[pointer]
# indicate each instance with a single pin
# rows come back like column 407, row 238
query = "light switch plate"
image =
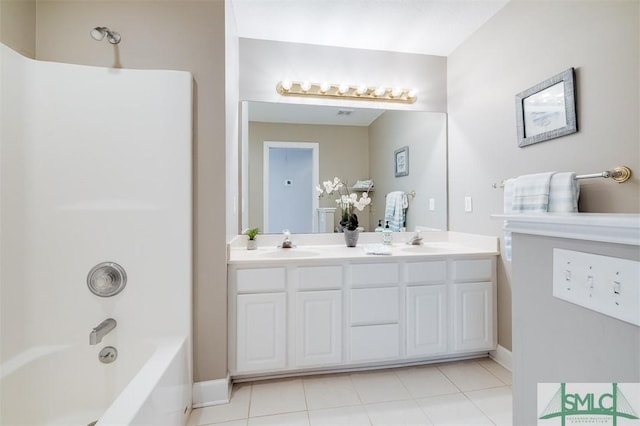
column 468, row 204
column 604, row 284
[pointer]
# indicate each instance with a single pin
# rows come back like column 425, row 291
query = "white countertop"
column 332, row 247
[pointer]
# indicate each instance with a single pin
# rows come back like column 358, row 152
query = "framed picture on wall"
column 401, row 157
column 547, row 110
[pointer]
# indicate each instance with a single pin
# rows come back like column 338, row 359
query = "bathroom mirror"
column 351, row 144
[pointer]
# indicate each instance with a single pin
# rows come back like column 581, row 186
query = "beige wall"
column 425, row 134
column 18, row 26
column 182, row 35
column 344, row 152
column 264, row 63
column 524, row 44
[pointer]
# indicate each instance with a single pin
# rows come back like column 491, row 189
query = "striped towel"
column 509, row 186
column 531, row 193
column 564, row 191
column 542, row 192
column 395, row 210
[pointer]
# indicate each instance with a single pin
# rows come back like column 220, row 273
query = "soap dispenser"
column 379, row 228
column 387, row 235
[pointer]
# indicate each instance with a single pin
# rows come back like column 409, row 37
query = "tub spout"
column 101, row 330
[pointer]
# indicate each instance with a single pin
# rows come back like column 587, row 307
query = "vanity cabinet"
column 323, row 316
column 426, row 320
column 261, row 312
column 318, row 328
column 317, row 315
column 261, row 332
column 474, row 312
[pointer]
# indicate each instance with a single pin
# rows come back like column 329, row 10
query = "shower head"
column 98, row 33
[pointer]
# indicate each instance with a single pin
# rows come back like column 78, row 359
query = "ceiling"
column 429, row 27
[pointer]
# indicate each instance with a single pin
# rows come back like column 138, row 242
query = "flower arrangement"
column 346, row 200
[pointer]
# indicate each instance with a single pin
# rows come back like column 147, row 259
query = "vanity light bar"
column 345, row 91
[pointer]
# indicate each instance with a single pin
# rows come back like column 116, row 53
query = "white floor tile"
column 277, row 397
column 497, row 370
column 236, row 409
column 300, row 418
column 330, row 391
column 379, row 386
column 495, row 403
column 343, row 416
column 242, row 422
column 397, row 413
column 469, row 375
column 425, row 381
column 449, row 410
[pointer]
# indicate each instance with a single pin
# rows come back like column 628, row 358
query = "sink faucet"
column 416, row 240
column 287, row 240
column 101, row 330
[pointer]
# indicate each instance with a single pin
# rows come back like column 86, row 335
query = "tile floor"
column 469, row 393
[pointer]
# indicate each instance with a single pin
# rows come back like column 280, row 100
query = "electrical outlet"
column 432, row 204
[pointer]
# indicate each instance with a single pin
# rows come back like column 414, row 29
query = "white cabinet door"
column 473, row 316
column 426, row 320
column 261, row 332
column 318, row 328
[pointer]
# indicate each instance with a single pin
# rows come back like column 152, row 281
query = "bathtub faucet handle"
column 101, row 330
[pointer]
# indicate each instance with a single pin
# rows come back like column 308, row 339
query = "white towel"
column 376, row 249
column 394, row 211
column 531, row 193
column 564, row 191
column 541, row 192
column 509, row 186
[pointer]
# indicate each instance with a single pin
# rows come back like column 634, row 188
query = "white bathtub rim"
column 28, row 356
column 128, row 403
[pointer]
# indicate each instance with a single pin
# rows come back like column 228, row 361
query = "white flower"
column 363, row 202
column 344, row 199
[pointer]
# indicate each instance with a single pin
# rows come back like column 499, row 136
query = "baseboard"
column 503, row 357
column 211, row 392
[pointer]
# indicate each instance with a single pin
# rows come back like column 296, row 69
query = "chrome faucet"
column 101, row 330
column 416, row 240
column 287, row 240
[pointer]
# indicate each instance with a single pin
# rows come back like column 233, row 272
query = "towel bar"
column 619, row 174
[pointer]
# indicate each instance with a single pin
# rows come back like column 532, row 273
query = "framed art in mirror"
column 547, row 110
column 401, row 159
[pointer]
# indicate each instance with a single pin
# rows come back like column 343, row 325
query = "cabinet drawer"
column 260, row 279
column 319, row 277
column 473, row 270
column 374, row 305
column 375, row 342
column 426, row 272
column 374, row 273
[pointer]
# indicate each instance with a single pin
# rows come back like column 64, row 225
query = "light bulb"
column 324, row 87
column 380, row 91
column 362, row 89
column 411, row 94
column 305, row 86
column 396, row 92
column 343, row 89
column 286, row 85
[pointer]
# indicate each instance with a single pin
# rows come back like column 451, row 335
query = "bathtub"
column 148, row 384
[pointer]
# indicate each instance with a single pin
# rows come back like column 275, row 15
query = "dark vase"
column 351, row 237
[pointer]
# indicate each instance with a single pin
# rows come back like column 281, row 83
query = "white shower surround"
column 95, row 166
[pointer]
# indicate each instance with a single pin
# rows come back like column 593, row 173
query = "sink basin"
column 424, row 249
column 288, row 253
